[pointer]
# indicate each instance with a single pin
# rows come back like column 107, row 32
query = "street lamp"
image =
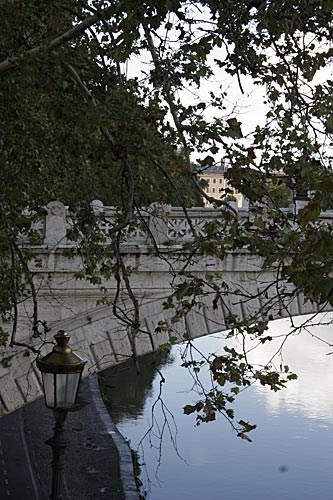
column 61, row 373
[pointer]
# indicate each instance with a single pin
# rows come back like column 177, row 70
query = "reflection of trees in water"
column 125, row 391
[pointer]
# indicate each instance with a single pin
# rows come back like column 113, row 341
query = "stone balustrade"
column 157, row 224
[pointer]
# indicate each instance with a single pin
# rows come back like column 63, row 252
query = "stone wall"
column 68, row 303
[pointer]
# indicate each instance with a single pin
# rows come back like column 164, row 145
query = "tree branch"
column 105, row 131
column 12, row 62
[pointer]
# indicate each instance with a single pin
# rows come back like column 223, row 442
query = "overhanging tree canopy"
column 70, row 113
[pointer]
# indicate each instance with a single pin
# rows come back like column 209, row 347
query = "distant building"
column 216, row 183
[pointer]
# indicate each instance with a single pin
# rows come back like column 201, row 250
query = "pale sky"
column 249, row 108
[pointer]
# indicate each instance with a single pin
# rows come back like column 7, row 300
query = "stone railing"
column 157, row 224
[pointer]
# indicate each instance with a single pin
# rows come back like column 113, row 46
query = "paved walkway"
column 98, row 460
column 16, row 475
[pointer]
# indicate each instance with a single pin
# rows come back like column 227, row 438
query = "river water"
column 290, row 456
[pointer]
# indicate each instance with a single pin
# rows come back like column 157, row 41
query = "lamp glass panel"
column 66, row 389
column 49, row 381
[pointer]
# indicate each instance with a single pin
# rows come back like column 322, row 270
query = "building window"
column 214, row 181
column 213, row 190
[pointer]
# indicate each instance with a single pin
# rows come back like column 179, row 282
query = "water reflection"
column 127, row 391
column 308, row 356
column 292, row 447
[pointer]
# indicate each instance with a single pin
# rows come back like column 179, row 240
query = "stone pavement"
column 98, row 460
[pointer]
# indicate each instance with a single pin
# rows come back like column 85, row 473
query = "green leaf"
column 234, row 130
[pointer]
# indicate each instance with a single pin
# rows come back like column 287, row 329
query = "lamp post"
column 61, row 373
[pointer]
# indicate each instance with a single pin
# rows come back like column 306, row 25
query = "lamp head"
column 61, row 372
